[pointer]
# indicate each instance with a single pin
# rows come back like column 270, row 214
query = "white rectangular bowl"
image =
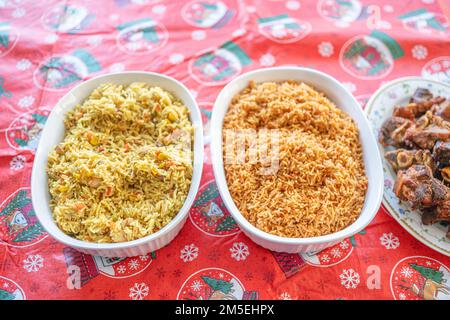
column 53, row 134
column 344, row 100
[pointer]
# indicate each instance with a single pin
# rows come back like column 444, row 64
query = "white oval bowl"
column 344, row 100
column 53, row 133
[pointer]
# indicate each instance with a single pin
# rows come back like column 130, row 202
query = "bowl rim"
column 218, row 168
column 198, row 153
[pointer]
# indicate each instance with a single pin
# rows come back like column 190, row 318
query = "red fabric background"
column 36, row 268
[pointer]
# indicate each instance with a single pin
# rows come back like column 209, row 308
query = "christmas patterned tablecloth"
column 47, row 47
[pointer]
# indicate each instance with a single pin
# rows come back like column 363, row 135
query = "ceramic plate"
column 378, row 109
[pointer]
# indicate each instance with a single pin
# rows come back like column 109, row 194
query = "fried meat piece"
column 418, row 187
column 402, row 159
column 393, row 131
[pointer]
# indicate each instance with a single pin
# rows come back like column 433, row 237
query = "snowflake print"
column 198, row 35
column 176, row 58
column 143, row 257
column 326, row 49
column 139, row 291
column 239, row 251
column 402, row 296
column 17, row 163
column 196, row 285
column 389, row 241
column 33, row 263
column 19, row 13
column 51, row 38
column 344, row 245
column 419, row 52
column 25, row 102
column 121, row 269
column 336, row 252
column 350, row 86
column 117, row 67
column 159, row 9
column 133, row 264
column 267, row 60
column 293, row 5
column 285, row 296
column 349, row 278
column 325, row 258
column 23, row 64
column 406, row 272
column 189, row 253
column 95, row 40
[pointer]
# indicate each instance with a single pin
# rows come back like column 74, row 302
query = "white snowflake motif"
column 326, row 49
column 389, row 241
column 159, row 9
column 143, row 257
column 406, row 272
column 176, row 58
column 51, row 38
column 19, row 13
column 325, row 258
column 117, row 67
column 349, row 278
column 189, row 253
column 336, row 252
column 121, row 269
column 23, row 64
column 239, row 251
column 33, row 263
column 402, row 296
column 293, row 5
column 238, row 32
column 344, row 245
column 419, row 52
column 267, row 60
column 26, row 102
column 95, row 40
column 133, row 264
column 198, row 35
column 139, row 291
column 17, row 163
column 196, row 285
column 350, row 86
column 285, row 296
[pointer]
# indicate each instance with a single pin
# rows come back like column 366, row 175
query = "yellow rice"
column 120, row 173
column 320, row 185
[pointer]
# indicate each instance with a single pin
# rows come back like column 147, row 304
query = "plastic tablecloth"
column 47, row 47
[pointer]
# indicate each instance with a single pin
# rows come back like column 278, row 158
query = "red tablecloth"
column 46, row 47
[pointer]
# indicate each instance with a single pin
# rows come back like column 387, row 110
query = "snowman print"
column 425, row 22
column 283, row 29
column 207, row 14
column 340, row 12
column 25, row 131
column 141, row 36
column 370, row 56
column 214, row 284
column 218, row 66
column 8, row 37
column 61, row 71
column 437, row 69
column 9, row 290
column 19, row 226
column 67, row 18
column 209, row 214
column 420, row 278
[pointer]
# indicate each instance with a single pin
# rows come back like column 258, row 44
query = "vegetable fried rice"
column 124, row 168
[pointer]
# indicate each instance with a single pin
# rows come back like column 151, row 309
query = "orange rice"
column 320, row 185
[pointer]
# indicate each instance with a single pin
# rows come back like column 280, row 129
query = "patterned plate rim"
column 386, row 204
